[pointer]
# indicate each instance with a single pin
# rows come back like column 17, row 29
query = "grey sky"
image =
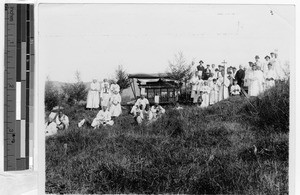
column 96, row 38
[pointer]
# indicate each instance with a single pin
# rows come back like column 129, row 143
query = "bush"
column 75, row 92
column 51, row 96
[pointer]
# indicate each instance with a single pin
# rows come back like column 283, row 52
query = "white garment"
column 50, row 129
column 235, row 89
column 205, row 96
column 93, row 98
column 114, row 87
column 115, row 105
column 105, row 94
column 270, row 76
column 142, row 102
column 102, row 118
column 194, row 81
column 256, row 80
column 62, row 122
column 223, row 84
column 157, row 111
column 214, row 94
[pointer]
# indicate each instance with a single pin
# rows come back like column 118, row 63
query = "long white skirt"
column 105, row 99
column 93, row 99
column 115, row 110
column 214, row 97
column 223, row 93
column 254, row 88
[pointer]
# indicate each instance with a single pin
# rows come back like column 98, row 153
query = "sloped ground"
column 237, row 146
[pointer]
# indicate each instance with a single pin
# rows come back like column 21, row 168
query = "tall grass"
column 223, row 149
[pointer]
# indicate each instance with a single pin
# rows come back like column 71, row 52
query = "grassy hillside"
column 237, row 146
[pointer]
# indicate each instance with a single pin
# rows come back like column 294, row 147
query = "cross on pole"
column 224, row 88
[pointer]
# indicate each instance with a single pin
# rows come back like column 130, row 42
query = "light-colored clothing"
column 93, row 98
column 102, row 118
column 157, row 111
column 105, row 94
column 194, row 81
column 50, row 128
column 115, row 105
column 142, row 102
column 256, row 80
column 62, row 122
column 223, row 84
column 205, row 96
column 114, row 87
column 235, row 89
column 214, row 94
column 270, row 76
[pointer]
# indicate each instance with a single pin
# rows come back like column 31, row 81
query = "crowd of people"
column 211, row 84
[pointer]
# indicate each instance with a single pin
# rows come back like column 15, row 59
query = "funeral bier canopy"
column 149, row 76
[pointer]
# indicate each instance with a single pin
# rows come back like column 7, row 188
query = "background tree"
column 122, row 78
column 51, row 95
column 75, row 92
column 180, row 70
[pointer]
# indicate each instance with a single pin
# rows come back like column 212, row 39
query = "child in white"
column 205, row 94
column 214, row 93
column 157, row 111
column 62, row 121
column 103, row 118
column 105, row 93
column 115, row 104
column 235, row 89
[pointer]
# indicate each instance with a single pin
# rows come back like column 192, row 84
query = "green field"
column 237, row 146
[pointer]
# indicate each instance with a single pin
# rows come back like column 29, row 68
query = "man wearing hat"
column 206, row 72
column 200, row 68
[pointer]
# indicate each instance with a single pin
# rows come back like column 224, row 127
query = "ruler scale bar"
column 18, row 86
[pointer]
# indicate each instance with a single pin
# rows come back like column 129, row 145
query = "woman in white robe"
column 214, row 93
column 255, row 78
column 114, row 87
column 194, row 81
column 270, row 76
column 223, row 83
column 93, row 98
column 205, row 95
column 115, row 104
column 105, row 94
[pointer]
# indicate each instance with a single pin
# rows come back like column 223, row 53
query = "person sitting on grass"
column 137, row 112
column 51, row 126
column 103, row 118
column 200, row 99
column 178, row 107
column 142, row 101
column 62, row 121
column 235, row 89
column 157, row 110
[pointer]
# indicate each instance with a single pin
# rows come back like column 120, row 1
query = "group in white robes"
column 141, row 102
column 93, row 99
column 214, row 93
column 223, row 83
column 105, row 93
column 115, row 104
column 103, row 118
column 270, row 76
column 205, row 95
column 157, row 111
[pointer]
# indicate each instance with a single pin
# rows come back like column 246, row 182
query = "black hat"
column 200, row 61
column 267, row 57
column 256, row 56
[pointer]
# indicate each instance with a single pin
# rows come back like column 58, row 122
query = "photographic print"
column 167, row 98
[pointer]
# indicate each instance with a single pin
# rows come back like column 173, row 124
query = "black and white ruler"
column 18, row 86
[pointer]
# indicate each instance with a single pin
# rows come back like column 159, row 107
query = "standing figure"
column 265, row 64
column 270, row 76
column 103, row 118
column 194, row 82
column 214, row 93
column 93, row 98
column 255, row 81
column 115, row 104
column 200, row 68
column 105, row 93
column 257, row 61
column 223, row 83
column 206, row 72
column 114, row 86
column 205, row 94
column 240, row 76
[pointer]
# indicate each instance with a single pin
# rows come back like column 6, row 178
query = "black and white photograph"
column 166, row 98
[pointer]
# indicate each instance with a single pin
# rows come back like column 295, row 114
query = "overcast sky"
column 95, row 38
